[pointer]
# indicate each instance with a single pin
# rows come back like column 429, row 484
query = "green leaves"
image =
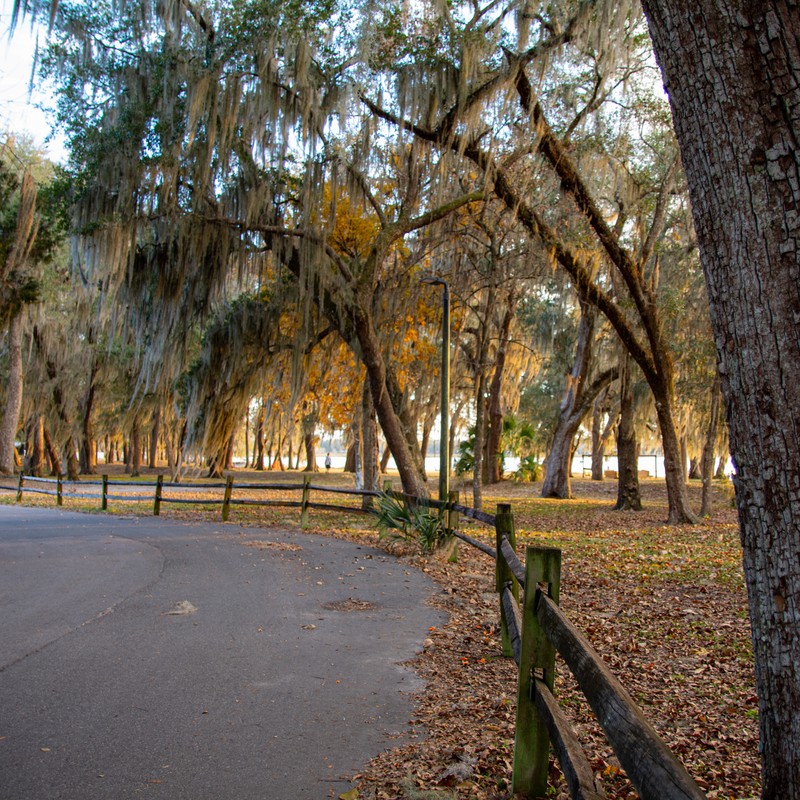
column 409, row 522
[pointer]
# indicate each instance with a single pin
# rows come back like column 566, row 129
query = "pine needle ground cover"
column 665, row 606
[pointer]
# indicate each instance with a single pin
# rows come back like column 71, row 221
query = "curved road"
column 145, row 658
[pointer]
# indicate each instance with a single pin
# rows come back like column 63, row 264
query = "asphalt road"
column 144, row 658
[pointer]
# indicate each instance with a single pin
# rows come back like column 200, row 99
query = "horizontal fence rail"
column 218, row 493
column 532, row 633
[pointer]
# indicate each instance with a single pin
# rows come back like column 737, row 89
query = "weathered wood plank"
column 504, row 531
column 514, row 617
column 484, row 548
column 574, row 764
column 514, row 564
column 537, row 657
column 652, row 768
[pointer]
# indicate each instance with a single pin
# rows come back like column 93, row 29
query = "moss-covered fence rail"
column 533, row 631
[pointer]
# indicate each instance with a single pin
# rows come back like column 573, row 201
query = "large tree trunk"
column 10, row 422
column 732, row 71
column 495, row 434
column 258, row 445
column 358, row 463
column 629, row 497
column 35, row 463
column 52, row 453
column 407, row 464
column 370, row 446
column 73, row 462
column 136, row 448
column 88, row 448
column 308, row 426
column 155, row 435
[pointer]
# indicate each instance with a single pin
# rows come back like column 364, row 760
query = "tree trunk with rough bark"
column 495, row 434
column 732, row 71
column 308, row 428
column 391, row 425
column 88, row 445
column 73, row 462
column 385, row 456
column 258, row 446
column 10, row 422
column 629, row 496
column 35, row 461
column 52, row 453
column 155, row 435
column 369, row 440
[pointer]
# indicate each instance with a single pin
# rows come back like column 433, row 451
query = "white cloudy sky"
column 18, row 111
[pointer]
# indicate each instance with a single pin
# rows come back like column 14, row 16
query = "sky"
column 18, row 111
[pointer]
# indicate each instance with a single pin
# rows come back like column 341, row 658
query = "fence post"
column 157, row 501
column 59, row 490
column 537, row 660
column 104, row 499
column 226, row 500
column 449, row 546
column 504, row 527
column 19, row 487
column 451, row 524
column 304, row 501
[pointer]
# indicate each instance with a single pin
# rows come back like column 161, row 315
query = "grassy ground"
column 665, row 606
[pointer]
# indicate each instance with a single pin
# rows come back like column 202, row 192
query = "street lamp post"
column 444, row 449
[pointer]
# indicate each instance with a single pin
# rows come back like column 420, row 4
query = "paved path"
column 144, row 658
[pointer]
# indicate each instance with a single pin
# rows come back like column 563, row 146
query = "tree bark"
column 136, row 448
column 358, row 452
column 155, row 434
column 73, row 462
column 258, row 446
column 494, row 438
column 385, row 456
column 407, row 466
column 52, row 453
column 308, row 426
column 370, row 446
column 10, row 422
column 732, row 71
column 35, row 458
column 88, row 445
column 629, row 496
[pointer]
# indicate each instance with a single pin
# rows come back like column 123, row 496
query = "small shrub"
column 413, row 524
column 530, row 470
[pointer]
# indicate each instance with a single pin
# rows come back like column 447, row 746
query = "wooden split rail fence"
column 218, row 493
column 533, row 631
